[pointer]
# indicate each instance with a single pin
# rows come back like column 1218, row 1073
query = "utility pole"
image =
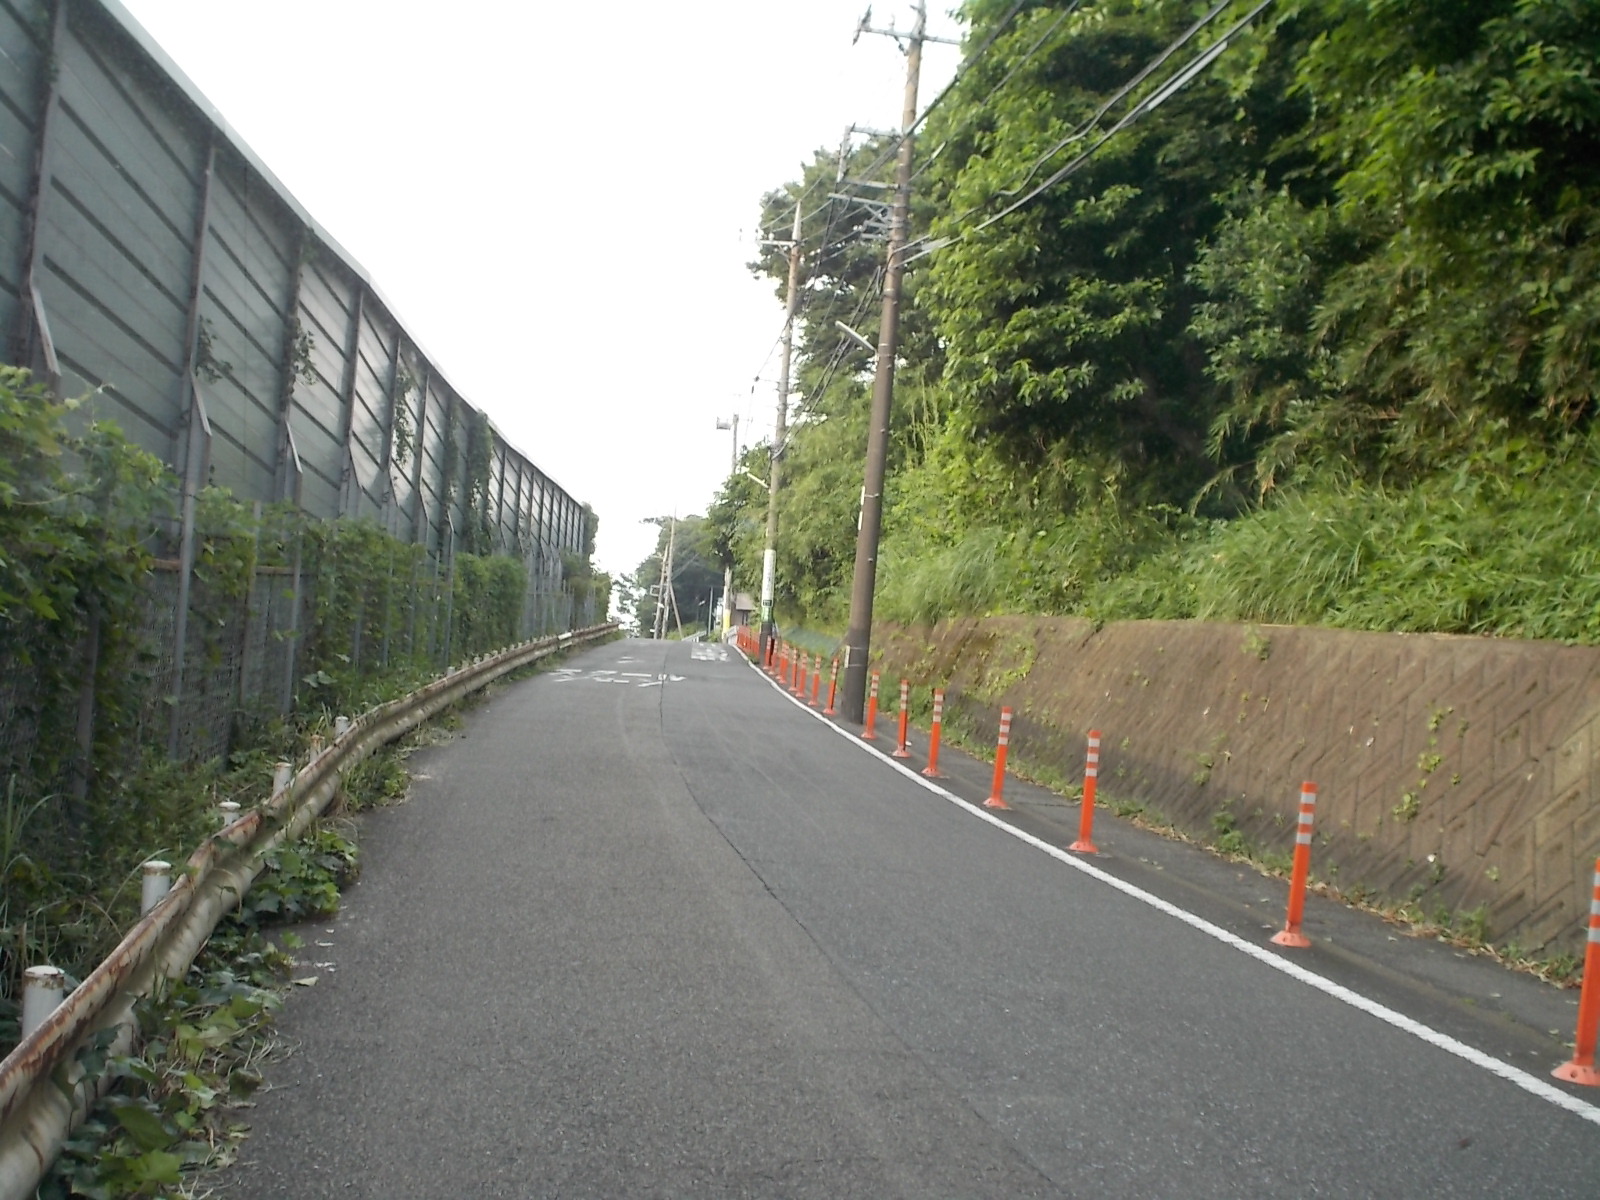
column 769, row 560
column 727, row 571
column 858, row 638
column 665, row 595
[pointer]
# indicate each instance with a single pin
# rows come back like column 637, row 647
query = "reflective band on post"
column 996, row 798
column 1091, row 774
column 902, row 750
column 1581, row 1068
column 1290, row 935
column 932, row 769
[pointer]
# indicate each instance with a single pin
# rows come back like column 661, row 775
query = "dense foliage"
column 87, row 571
column 1315, row 337
column 696, row 583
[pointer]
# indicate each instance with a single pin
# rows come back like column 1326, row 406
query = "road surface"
column 648, row 928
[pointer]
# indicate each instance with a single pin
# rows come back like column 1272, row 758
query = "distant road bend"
column 649, row 928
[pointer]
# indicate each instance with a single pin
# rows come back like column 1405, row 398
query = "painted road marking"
column 625, row 678
column 708, row 652
column 1442, row 1041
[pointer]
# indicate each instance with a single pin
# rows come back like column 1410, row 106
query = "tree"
column 696, row 571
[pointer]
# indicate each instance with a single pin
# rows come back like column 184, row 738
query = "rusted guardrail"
column 43, row 1091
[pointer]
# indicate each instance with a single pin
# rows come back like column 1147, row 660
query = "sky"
column 559, row 199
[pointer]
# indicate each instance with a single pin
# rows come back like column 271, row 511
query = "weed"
column 1257, row 644
column 1473, row 925
column 1229, row 839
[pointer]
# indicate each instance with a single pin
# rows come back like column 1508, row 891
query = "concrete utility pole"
column 769, row 560
column 727, row 572
column 858, row 638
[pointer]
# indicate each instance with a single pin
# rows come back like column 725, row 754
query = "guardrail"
column 43, row 1090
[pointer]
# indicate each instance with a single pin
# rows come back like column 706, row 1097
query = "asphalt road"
column 647, row 928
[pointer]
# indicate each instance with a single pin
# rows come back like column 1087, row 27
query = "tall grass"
column 1506, row 543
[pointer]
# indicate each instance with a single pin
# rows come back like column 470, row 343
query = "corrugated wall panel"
column 369, row 420
column 431, row 447
column 455, row 465
column 247, row 284
column 317, row 412
column 22, row 28
column 505, row 503
column 118, row 254
column 408, row 404
column 118, row 219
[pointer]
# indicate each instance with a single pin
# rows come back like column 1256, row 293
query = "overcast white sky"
column 560, row 198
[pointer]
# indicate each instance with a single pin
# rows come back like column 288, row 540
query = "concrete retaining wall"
column 1455, row 772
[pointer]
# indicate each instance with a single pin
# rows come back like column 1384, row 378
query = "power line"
column 1165, row 91
column 1006, row 78
column 967, row 64
column 1153, row 65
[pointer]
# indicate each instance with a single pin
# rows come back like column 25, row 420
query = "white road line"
column 1443, row 1041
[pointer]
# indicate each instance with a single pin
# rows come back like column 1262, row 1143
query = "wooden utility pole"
column 666, row 599
column 858, row 638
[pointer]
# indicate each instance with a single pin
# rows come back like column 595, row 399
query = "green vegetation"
column 1316, row 341
column 87, row 790
column 696, row 576
column 178, row 1099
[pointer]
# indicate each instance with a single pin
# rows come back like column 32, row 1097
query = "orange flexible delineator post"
column 1290, row 934
column 996, row 798
column 1091, row 777
column 868, row 734
column 932, row 769
column 798, row 687
column 833, row 689
column 1582, row 1069
column 816, row 680
column 902, row 751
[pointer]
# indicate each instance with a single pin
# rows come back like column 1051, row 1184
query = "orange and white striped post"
column 1582, row 1069
column 798, row 687
column 1290, row 934
column 1091, row 777
column 932, row 769
column 868, row 734
column 816, row 680
column 902, row 751
column 996, row 799
column 833, row 689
